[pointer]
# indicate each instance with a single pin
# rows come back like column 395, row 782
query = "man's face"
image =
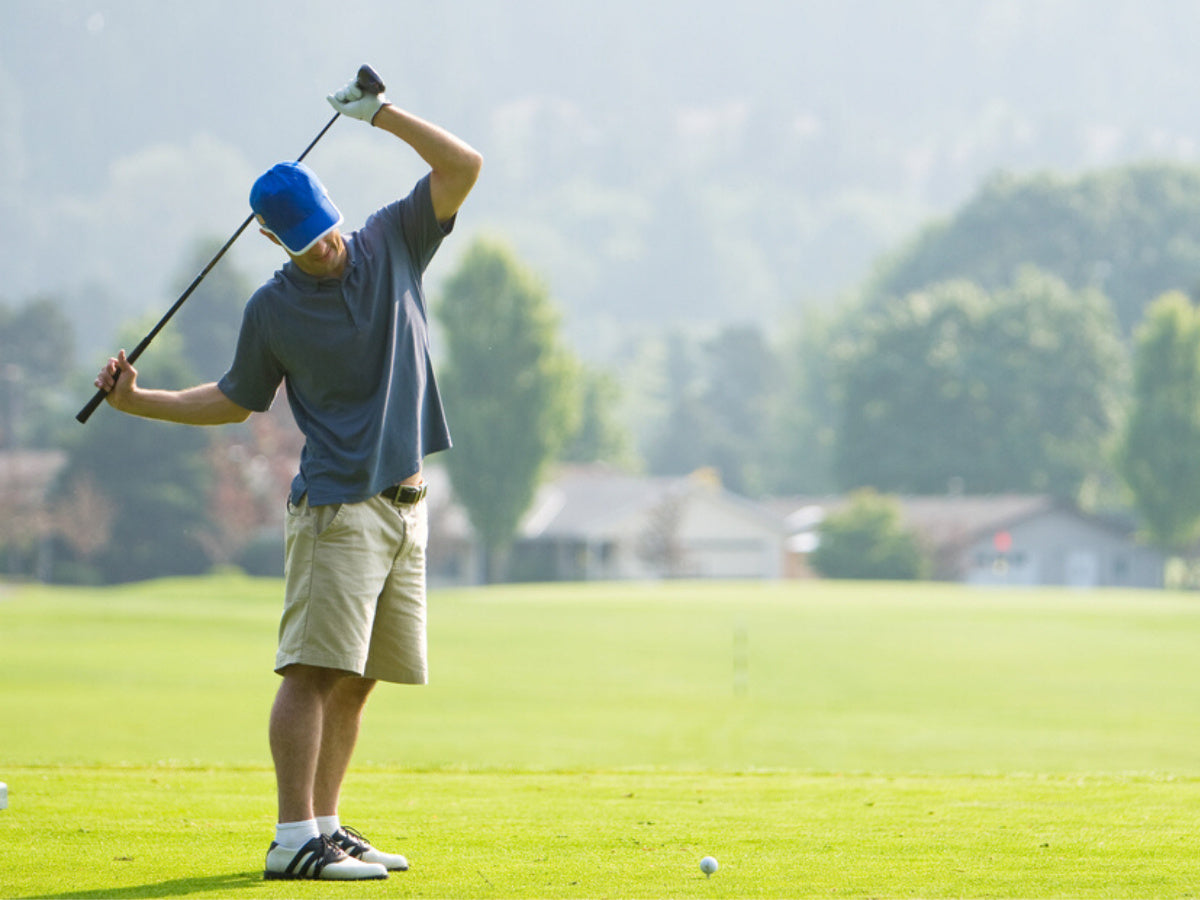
column 324, row 259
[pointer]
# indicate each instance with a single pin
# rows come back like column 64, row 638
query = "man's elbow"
column 227, row 412
column 452, row 183
column 469, row 168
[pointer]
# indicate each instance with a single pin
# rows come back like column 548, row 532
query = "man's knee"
column 312, row 679
column 354, row 689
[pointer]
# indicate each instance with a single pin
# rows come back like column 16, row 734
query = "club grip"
column 368, row 80
column 86, row 413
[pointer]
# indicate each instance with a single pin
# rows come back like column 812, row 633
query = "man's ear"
column 263, row 230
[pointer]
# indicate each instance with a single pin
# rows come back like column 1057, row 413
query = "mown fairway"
column 818, row 739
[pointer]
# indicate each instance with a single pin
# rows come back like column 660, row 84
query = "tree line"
column 1041, row 339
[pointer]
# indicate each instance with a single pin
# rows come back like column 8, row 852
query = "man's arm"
column 200, row 405
column 455, row 164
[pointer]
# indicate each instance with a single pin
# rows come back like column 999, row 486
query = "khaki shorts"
column 355, row 589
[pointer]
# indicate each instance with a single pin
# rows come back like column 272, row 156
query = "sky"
column 652, row 161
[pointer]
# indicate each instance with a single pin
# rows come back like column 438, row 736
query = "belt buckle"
column 408, row 494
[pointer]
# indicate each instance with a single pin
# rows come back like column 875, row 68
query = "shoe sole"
column 290, row 876
column 403, row 868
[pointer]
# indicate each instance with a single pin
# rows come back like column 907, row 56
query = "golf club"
column 368, row 81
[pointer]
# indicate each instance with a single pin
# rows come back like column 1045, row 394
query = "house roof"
column 591, row 501
column 945, row 519
column 949, row 520
column 586, row 502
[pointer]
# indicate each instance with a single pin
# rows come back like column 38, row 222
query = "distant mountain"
column 660, row 163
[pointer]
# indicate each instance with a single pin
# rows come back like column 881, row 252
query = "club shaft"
column 86, row 413
column 320, row 135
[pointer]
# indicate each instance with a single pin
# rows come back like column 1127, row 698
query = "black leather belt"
column 405, row 494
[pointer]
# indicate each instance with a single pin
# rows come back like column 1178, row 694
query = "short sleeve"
column 256, row 373
column 414, row 220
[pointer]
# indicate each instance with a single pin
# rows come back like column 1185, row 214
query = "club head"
column 369, row 81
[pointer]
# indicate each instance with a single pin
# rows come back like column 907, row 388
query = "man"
column 343, row 324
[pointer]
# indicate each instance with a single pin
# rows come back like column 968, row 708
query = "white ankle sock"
column 328, row 824
column 294, row 835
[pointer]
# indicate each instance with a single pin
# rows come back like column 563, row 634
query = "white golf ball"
column 708, row 865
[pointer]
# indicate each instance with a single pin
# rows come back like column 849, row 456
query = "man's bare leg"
column 296, row 729
column 343, row 712
column 342, row 718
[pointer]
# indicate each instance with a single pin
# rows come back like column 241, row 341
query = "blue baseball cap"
column 294, row 206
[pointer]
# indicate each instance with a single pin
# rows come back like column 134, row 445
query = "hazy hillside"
column 657, row 162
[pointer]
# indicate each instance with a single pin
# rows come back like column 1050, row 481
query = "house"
column 1002, row 539
column 594, row 523
column 452, row 558
column 26, row 477
column 29, row 517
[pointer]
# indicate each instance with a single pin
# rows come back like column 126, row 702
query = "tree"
column 1131, row 232
column 510, row 389
column 600, row 437
column 37, row 357
column 867, row 539
column 1160, row 446
column 721, row 394
column 660, row 543
column 802, row 416
column 1012, row 391
column 741, row 378
column 212, row 316
column 152, row 478
column 677, row 446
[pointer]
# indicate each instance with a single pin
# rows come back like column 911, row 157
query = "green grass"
column 596, row 741
column 163, row 832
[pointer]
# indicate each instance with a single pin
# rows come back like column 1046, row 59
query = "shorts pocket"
column 328, row 517
column 320, row 519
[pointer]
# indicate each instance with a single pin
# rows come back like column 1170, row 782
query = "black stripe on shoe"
column 350, row 841
column 309, row 861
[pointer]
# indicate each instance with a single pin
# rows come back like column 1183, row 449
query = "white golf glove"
column 353, row 101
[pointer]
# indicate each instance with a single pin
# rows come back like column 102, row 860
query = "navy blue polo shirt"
column 354, row 354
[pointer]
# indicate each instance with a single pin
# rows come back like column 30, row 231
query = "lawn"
column 825, row 740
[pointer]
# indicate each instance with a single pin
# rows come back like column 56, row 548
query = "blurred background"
column 805, row 249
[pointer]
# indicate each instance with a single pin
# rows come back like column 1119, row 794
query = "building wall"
column 720, row 539
column 1062, row 549
column 713, row 538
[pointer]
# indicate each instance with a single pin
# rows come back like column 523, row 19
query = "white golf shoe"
column 357, row 846
column 319, row 859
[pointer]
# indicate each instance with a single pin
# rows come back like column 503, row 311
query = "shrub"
column 867, row 540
